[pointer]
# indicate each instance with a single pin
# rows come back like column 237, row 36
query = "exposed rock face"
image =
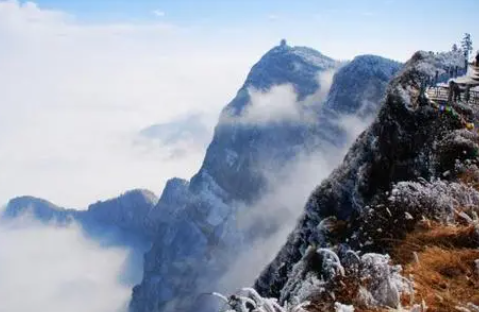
column 198, row 235
column 129, row 211
column 356, row 87
column 405, row 143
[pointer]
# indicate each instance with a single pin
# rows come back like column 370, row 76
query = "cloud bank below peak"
column 58, row 269
column 280, row 104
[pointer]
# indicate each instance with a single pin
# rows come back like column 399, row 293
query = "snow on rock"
column 407, row 145
column 338, row 307
column 434, row 200
column 384, row 282
column 356, row 86
column 379, row 282
column 128, row 211
column 248, row 300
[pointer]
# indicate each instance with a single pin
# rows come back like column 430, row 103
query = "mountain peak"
column 284, row 64
column 298, row 67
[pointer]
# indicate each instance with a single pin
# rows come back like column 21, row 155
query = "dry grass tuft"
column 445, row 278
column 443, row 270
column 434, row 234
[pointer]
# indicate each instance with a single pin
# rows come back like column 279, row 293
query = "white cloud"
column 46, row 268
column 280, row 103
column 179, row 136
column 279, row 209
column 74, row 95
column 277, row 105
column 159, row 13
column 354, row 125
column 325, row 80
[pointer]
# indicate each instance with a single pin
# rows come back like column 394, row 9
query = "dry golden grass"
column 433, row 234
column 445, row 276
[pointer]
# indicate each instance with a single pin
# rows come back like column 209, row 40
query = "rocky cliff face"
column 198, row 235
column 129, row 211
column 387, row 182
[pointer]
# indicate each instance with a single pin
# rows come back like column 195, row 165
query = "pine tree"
column 467, row 45
column 455, row 49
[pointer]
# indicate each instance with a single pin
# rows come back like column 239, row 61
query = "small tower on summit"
column 283, row 43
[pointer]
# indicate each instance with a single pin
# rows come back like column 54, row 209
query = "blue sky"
column 121, row 67
column 390, row 27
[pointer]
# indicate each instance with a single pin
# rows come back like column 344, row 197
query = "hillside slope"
column 411, row 177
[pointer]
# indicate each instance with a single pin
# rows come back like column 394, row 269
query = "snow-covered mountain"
column 356, row 87
column 287, row 107
column 198, row 235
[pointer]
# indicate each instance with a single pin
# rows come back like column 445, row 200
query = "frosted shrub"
column 370, row 279
column 248, row 300
column 437, row 199
column 383, row 283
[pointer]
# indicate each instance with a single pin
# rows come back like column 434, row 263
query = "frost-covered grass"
column 368, row 281
column 248, row 300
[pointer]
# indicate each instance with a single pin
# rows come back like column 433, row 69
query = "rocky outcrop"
column 405, row 143
column 130, row 211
